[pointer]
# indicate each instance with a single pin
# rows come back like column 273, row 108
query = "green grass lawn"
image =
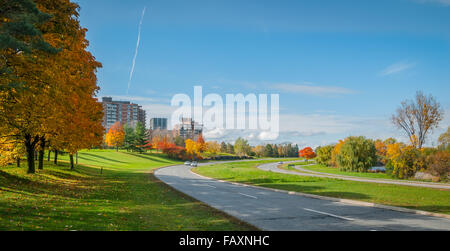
column 330, row 170
column 428, row 199
column 125, row 197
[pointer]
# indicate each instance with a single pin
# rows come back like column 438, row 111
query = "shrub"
column 439, row 164
column 357, row 154
column 175, row 152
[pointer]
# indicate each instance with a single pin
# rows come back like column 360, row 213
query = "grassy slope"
column 123, row 198
column 428, row 199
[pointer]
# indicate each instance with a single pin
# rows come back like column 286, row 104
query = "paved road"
column 274, row 168
column 270, row 210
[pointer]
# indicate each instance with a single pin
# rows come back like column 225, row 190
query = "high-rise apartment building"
column 188, row 129
column 123, row 111
column 158, row 123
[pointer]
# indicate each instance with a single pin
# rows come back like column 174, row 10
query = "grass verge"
column 427, row 199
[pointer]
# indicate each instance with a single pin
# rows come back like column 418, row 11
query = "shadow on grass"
column 111, row 202
column 102, row 157
column 149, row 157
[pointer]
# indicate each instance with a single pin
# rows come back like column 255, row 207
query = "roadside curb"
column 344, row 201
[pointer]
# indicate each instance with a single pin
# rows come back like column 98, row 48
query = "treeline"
column 241, row 147
column 47, row 82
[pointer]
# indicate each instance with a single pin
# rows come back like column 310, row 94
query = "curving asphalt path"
column 271, row 210
column 274, row 168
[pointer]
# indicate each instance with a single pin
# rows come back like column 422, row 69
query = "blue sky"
column 341, row 67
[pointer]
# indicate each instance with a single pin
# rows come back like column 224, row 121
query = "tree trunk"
column 30, row 145
column 18, row 162
column 48, row 158
column 72, row 167
column 41, row 153
column 56, row 158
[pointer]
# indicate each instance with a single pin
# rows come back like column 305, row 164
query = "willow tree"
column 417, row 118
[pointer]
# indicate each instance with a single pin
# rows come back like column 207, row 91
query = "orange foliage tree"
column 115, row 136
column 201, row 144
column 55, row 86
column 307, row 153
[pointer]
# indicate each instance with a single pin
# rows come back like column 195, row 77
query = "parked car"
column 187, row 163
column 194, row 164
column 281, row 163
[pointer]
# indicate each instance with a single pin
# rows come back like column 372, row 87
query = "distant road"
column 274, row 168
column 271, row 210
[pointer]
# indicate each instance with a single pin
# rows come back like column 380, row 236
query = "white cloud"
column 397, row 68
column 309, row 88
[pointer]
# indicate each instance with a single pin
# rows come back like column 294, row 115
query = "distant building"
column 124, row 112
column 158, row 123
column 188, row 129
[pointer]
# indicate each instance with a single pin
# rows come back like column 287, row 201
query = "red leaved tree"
column 307, row 153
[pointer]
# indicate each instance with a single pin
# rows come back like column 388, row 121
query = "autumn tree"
column 439, row 164
column 115, row 136
column 191, row 148
column 307, row 153
column 417, row 118
column 259, row 150
column 52, row 82
column 201, row 144
column 324, row 154
column 212, row 147
column 402, row 160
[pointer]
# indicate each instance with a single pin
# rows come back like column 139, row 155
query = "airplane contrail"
column 137, row 50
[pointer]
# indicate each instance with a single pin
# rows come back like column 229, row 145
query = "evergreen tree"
column 268, row 151
column 128, row 141
column 140, row 137
column 19, row 33
column 230, row 148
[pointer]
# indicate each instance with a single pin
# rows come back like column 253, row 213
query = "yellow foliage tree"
column 335, row 152
column 190, row 147
column 213, row 147
column 115, row 136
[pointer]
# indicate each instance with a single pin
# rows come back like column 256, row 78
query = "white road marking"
column 203, row 185
column 248, row 195
column 332, row 215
